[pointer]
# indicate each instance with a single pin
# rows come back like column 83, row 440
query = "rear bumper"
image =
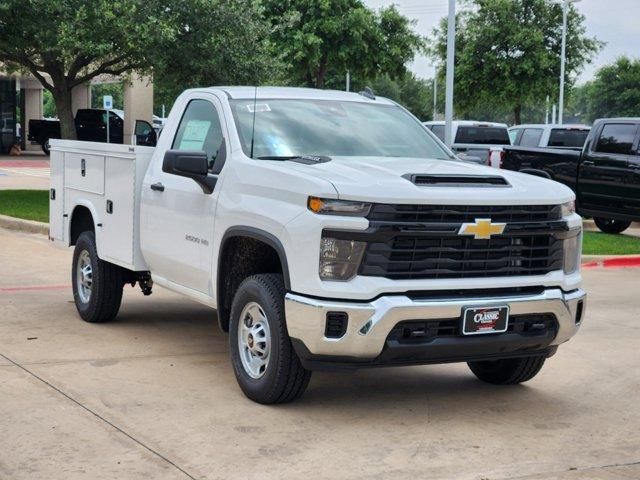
column 366, row 339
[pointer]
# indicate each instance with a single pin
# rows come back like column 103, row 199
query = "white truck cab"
column 328, row 230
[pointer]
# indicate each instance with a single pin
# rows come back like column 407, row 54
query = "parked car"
column 605, row 174
column 550, row 135
column 91, row 126
column 328, row 230
column 479, row 142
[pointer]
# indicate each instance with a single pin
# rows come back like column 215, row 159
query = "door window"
column 200, row 130
column 438, row 131
column 616, row 138
column 531, row 137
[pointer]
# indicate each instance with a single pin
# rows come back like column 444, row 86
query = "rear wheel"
column 610, row 225
column 46, row 147
column 264, row 361
column 97, row 285
column 508, row 371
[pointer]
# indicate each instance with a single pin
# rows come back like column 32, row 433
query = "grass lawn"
column 596, row 243
column 28, row 204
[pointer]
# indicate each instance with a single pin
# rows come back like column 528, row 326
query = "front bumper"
column 365, row 341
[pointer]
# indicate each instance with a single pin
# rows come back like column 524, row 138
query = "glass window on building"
column 7, row 114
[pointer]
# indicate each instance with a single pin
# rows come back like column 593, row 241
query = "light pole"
column 448, row 97
column 565, row 8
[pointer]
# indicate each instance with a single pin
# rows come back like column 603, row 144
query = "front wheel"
column 97, row 285
column 264, row 361
column 508, row 371
column 610, row 225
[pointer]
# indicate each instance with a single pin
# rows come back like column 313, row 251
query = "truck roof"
column 619, row 119
column 552, row 125
column 468, row 123
column 244, row 92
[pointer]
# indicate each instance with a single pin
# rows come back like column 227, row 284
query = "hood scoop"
column 457, row 180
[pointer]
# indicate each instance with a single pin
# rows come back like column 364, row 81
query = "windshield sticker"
column 259, row 107
column 194, row 135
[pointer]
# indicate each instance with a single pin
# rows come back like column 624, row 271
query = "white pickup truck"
column 328, row 230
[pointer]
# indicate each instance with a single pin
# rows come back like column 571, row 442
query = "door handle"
column 588, row 163
column 158, row 187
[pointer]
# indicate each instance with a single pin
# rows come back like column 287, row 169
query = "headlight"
column 568, row 208
column 339, row 259
column 338, row 207
column 572, row 247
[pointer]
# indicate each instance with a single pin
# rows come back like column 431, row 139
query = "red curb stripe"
column 624, row 262
column 24, row 164
column 34, row 288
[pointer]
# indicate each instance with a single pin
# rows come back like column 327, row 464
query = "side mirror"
column 190, row 164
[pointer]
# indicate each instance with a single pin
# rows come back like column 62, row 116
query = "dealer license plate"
column 479, row 320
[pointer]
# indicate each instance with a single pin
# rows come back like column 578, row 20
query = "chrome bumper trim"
column 370, row 322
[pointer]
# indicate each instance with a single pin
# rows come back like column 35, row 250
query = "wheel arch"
column 83, row 218
column 537, row 172
column 229, row 274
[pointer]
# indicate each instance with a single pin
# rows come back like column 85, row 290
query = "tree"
column 508, row 52
column 614, row 92
column 66, row 43
column 322, row 39
column 413, row 93
column 226, row 43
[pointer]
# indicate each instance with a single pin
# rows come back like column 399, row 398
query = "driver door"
column 178, row 217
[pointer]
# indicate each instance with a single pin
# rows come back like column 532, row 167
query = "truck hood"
column 386, row 180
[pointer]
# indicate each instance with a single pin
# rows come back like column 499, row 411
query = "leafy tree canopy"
column 415, row 94
column 508, row 52
column 614, row 92
column 322, row 39
column 65, row 43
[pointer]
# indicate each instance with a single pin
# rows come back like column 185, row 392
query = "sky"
column 616, row 22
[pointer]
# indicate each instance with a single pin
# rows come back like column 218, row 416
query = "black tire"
column 610, row 225
column 105, row 292
column 283, row 379
column 45, row 147
column 508, row 371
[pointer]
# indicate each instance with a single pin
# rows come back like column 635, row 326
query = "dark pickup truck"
column 91, row 126
column 605, row 175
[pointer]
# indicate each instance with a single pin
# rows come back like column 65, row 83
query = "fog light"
column 339, row 259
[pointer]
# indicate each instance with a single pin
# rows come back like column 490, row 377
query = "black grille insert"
column 423, row 331
column 454, row 256
column 463, row 213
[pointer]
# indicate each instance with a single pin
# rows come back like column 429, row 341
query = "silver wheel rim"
column 84, row 276
column 254, row 340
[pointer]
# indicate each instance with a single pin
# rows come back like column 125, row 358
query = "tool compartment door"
column 118, row 214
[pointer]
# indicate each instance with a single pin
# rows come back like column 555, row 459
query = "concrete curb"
column 28, row 226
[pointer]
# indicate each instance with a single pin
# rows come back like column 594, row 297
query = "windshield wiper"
column 305, row 159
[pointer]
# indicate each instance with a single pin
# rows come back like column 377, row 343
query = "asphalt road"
column 152, row 395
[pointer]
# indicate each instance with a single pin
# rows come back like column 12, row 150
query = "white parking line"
column 30, row 172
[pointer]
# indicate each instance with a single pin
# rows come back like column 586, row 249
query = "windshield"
column 292, row 127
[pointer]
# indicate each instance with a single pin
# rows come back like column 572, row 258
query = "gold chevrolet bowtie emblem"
column 482, row 229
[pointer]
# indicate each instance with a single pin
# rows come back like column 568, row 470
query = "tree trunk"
column 321, row 73
column 62, row 99
column 517, row 111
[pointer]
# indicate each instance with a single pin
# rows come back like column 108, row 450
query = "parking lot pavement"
column 29, row 172
column 152, row 395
